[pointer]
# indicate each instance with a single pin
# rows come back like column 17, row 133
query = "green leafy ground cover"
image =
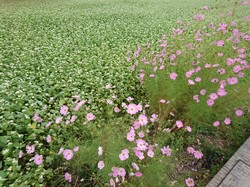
column 52, row 50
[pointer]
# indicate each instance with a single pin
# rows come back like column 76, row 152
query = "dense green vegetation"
column 52, row 50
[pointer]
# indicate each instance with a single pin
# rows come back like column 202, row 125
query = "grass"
column 53, row 49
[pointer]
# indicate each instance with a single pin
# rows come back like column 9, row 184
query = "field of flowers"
column 121, row 92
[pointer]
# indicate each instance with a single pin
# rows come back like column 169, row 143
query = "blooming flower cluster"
column 197, row 154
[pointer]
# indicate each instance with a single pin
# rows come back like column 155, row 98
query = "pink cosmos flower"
column 141, row 134
column 205, row 8
column 172, row 57
column 30, row 149
column 241, row 51
column 116, row 109
column 227, row 121
column 173, row 76
column 232, row 80
column 68, row 154
column 124, row 155
column 221, row 92
column 171, row 113
column 20, row 154
column 101, row 165
column 203, row 92
column 162, row 67
column 196, row 98
column 58, row 120
column 76, row 149
column 215, row 80
column 138, row 174
column 221, row 71
column 108, row 86
column 239, row 112
column 150, row 153
column 215, row 65
column 207, row 65
column 166, row 151
column 220, row 54
column 132, row 108
column 139, row 106
column 162, row 101
column 189, row 182
column 64, row 110
column 90, row 116
column 230, row 61
column 191, row 82
column 233, row 23
column 197, row 69
column 210, row 102
column 138, row 153
column 136, row 124
column 135, row 166
column 131, row 136
column 223, row 83
column 198, row 154
column 36, row 118
column 244, row 3
column 179, row 124
column 220, row 43
column 243, row 55
column 48, row 139
column 109, row 101
column 67, row 177
column 188, row 128
column 38, row 159
column 178, row 52
column 73, row 118
column 198, row 79
column 141, row 144
column 48, row 124
column 112, row 183
column 124, row 105
column 116, row 172
column 216, row 123
column 190, row 150
column 198, row 55
column 60, row 151
column 143, row 120
column 188, row 74
column 241, row 75
column 155, row 68
column 213, row 96
column 100, row 151
column 237, row 69
column 199, row 17
column 130, row 99
column 153, row 118
column 152, row 75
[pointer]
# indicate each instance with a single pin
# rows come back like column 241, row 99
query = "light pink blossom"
column 67, row 177
column 179, row 124
column 90, row 116
column 101, row 165
column 38, row 159
column 132, row 108
column 166, row 151
column 173, row 76
column 68, row 154
column 135, row 166
column 64, row 110
column 124, row 155
column 189, row 182
column 216, row 123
